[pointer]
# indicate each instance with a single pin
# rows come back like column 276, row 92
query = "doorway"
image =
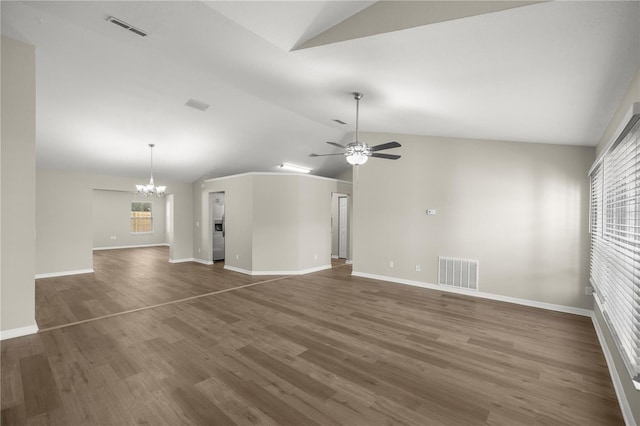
column 218, row 226
column 169, row 223
column 340, row 226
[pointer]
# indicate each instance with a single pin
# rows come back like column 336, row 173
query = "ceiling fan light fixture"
column 357, row 153
column 357, row 158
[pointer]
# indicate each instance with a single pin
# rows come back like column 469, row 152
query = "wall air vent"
column 201, row 106
column 126, row 26
column 461, row 273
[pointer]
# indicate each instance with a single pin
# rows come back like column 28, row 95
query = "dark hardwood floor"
column 128, row 279
column 325, row 348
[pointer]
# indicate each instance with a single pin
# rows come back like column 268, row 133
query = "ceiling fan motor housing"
column 358, row 148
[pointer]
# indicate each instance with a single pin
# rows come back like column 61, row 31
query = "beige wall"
column 238, row 220
column 64, row 242
column 18, row 184
column 274, row 222
column 111, row 216
column 519, row 208
column 314, row 222
column 629, row 394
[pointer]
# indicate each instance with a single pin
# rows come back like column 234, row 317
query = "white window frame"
column 152, row 218
column 614, row 225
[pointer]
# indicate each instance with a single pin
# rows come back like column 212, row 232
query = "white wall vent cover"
column 462, row 273
column 126, row 26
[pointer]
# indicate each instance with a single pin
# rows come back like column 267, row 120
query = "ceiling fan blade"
column 386, row 156
column 387, row 145
column 337, row 145
column 323, row 155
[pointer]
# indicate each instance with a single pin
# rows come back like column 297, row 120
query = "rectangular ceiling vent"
column 201, row 106
column 461, row 273
column 126, row 26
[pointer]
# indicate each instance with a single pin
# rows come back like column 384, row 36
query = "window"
column 141, row 217
column 615, row 242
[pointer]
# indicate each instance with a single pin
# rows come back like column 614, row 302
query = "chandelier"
column 150, row 189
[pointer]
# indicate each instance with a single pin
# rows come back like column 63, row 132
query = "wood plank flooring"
column 128, row 279
column 320, row 349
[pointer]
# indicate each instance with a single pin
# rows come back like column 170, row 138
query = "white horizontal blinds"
column 615, row 243
column 597, row 253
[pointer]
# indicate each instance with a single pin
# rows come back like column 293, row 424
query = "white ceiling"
column 551, row 72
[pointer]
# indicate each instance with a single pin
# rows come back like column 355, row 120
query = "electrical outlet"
column 237, row 257
column 315, row 257
column 199, row 250
column 391, row 264
column 113, row 237
column 588, row 291
column 417, row 268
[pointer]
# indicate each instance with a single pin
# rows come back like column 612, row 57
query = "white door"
column 342, row 227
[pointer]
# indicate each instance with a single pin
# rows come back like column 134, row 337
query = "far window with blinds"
column 615, row 242
column 141, row 217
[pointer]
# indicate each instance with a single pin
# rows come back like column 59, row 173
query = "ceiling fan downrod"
column 357, row 96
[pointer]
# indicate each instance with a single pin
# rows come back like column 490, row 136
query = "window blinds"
column 615, row 242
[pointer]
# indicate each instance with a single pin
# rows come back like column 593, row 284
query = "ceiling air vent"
column 126, row 26
column 197, row 105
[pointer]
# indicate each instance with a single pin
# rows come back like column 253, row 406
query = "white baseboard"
column 301, row 272
column 473, row 293
column 191, row 259
column 18, row 332
column 615, row 376
column 234, row 269
column 130, row 247
column 312, row 270
column 65, row 273
column 349, row 262
column 333, row 256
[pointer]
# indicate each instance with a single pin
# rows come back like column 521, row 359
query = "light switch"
column 431, row 212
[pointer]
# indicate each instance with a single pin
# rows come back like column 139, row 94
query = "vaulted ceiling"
column 276, row 75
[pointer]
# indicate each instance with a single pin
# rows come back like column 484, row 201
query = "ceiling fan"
column 359, row 152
